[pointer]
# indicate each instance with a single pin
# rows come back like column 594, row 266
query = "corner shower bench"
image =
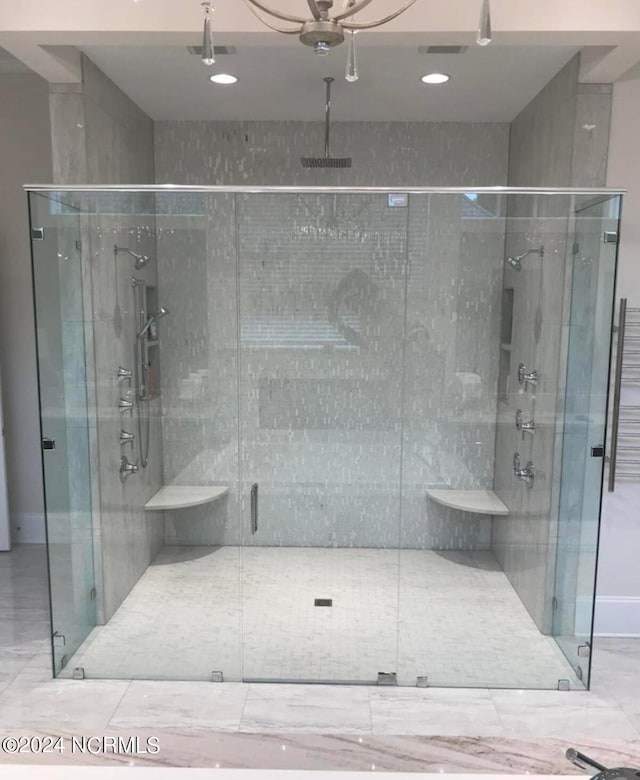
column 482, row 502
column 183, row 496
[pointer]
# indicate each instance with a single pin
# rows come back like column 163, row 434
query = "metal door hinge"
column 584, row 650
column 217, row 677
column 598, row 451
column 387, row 678
column 610, row 237
column 78, row 673
column 37, row 234
column 48, row 444
column 564, row 685
column 554, row 603
column 92, row 593
column 422, row 682
column 59, row 640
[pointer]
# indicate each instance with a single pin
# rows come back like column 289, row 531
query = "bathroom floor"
column 310, row 727
column 454, row 619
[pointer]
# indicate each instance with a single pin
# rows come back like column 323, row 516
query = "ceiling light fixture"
column 208, row 53
column 484, row 27
column 324, row 30
column 223, row 78
column 435, row 78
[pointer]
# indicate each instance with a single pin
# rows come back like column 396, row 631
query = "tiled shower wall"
column 559, row 140
column 349, row 312
column 100, row 136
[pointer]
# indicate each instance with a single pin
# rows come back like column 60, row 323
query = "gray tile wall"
column 100, row 136
column 559, row 139
column 321, row 418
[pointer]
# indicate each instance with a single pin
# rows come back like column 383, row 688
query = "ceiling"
column 488, row 84
column 142, row 46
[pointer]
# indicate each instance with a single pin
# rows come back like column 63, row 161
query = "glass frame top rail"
column 166, row 188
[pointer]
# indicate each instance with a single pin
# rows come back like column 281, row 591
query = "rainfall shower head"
column 516, row 261
column 327, row 161
column 140, row 260
column 162, row 312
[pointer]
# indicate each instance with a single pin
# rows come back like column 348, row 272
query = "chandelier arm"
column 295, row 31
column 271, row 12
column 378, row 22
column 352, row 10
column 315, row 11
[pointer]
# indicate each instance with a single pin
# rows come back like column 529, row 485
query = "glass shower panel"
column 587, row 374
column 61, row 344
column 197, row 282
column 321, row 317
column 448, row 574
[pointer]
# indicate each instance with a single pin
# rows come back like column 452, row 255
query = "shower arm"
column 529, row 252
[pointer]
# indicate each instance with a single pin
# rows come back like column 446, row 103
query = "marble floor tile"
column 38, row 669
column 362, row 753
column 561, row 714
column 307, row 708
column 285, row 637
column 434, row 711
column 181, row 705
column 82, row 704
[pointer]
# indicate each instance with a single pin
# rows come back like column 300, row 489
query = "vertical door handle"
column 254, row 507
column 617, row 389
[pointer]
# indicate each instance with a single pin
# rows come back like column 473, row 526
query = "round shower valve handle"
column 527, row 377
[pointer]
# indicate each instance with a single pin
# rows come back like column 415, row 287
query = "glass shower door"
column 593, row 280
column 322, row 305
column 60, row 330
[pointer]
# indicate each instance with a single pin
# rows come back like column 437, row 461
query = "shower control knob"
column 526, row 474
column 127, row 469
column 527, row 377
column 125, row 405
column 126, row 438
column 524, row 427
column 124, row 374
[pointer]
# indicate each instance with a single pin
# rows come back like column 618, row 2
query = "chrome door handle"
column 617, row 390
column 254, row 508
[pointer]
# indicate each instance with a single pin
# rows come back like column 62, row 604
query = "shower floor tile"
column 450, row 616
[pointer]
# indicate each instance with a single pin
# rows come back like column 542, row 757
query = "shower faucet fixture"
column 127, row 469
column 124, row 374
column 516, row 260
column 527, row 377
column 126, row 438
column 526, row 474
column 140, row 260
column 524, row 427
column 125, row 405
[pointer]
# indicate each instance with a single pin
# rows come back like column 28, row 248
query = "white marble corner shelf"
column 183, row 496
column 482, row 502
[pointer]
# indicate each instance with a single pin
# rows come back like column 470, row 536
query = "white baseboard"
column 617, row 616
column 28, row 528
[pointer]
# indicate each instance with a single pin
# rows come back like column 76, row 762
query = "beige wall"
column 25, row 156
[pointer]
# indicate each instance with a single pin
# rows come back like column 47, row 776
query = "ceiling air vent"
column 442, row 49
column 197, row 50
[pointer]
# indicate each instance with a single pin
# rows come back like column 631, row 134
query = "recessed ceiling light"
column 223, row 78
column 435, row 78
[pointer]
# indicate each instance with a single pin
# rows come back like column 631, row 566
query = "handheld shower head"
column 162, row 312
column 140, row 260
column 516, row 261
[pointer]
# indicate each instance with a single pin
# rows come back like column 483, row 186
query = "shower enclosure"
column 366, row 445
